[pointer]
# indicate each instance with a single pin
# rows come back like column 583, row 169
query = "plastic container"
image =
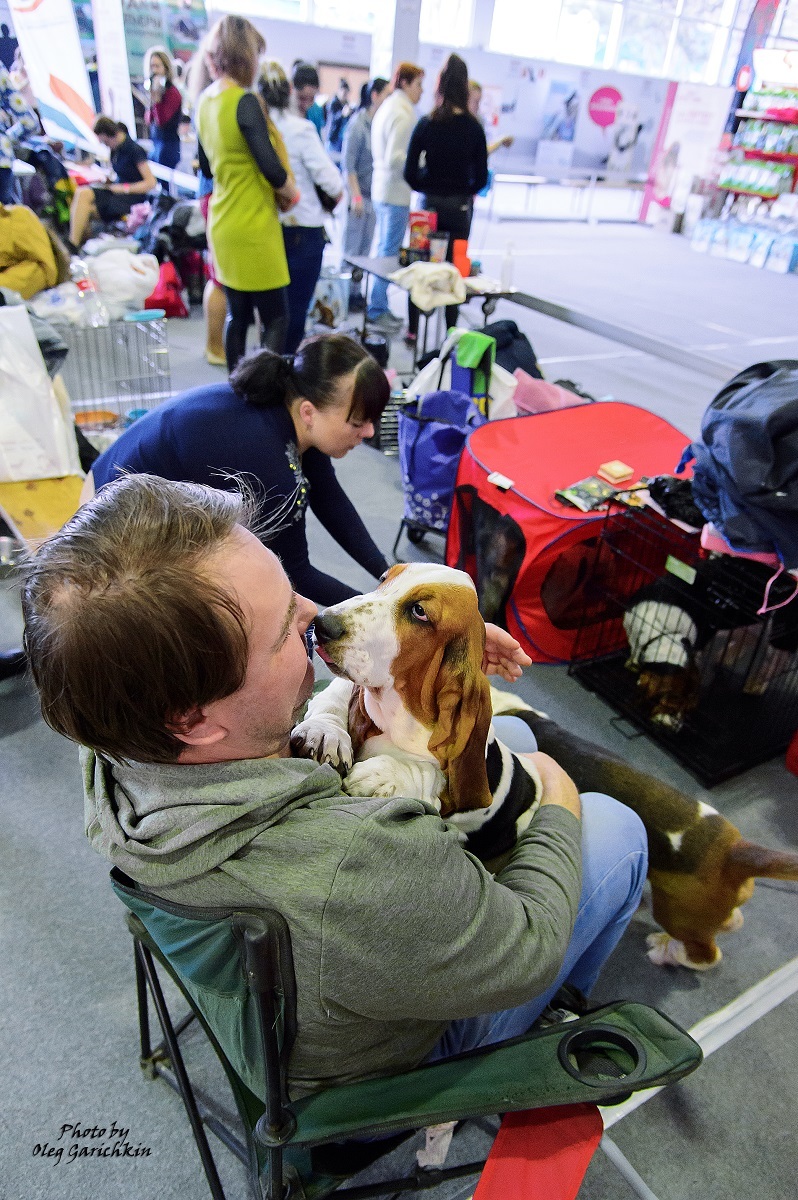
column 506, row 275
column 93, row 312
column 460, row 257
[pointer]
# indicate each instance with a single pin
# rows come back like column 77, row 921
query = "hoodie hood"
column 165, row 823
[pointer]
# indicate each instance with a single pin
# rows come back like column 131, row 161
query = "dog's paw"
column 668, row 720
column 323, row 740
column 666, row 951
column 386, row 776
column 733, row 922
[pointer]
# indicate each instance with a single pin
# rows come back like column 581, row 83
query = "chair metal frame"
column 273, row 1124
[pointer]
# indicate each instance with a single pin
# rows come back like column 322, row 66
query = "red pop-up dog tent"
column 528, row 552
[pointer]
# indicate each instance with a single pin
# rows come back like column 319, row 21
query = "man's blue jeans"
column 614, row 864
column 391, row 224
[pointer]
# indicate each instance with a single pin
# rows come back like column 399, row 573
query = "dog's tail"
column 750, row 861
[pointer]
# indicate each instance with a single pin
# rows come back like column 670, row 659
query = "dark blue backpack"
column 745, row 477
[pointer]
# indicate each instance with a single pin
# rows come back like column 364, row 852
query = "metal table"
column 626, row 335
column 383, row 268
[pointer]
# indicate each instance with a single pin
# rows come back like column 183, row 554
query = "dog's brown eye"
column 417, row 612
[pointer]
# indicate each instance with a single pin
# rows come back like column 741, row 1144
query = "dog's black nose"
column 328, row 627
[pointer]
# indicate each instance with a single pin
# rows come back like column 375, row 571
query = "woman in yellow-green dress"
column 249, row 182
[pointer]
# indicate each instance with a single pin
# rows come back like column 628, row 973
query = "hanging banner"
column 109, row 42
column 48, row 39
column 565, row 120
column 176, row 25
column 686, row 144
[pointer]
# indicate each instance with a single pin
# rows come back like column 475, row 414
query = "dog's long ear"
column 463, row 721
column 359, row 723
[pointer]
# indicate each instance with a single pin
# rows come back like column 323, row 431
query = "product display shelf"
column 752, row 114
column 770, row 155
column 724, row 187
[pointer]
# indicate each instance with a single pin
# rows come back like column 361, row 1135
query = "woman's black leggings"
column 454, row 219
column 271, row 307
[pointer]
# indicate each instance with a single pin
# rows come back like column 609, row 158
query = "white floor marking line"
column 771, row 341
column 567, row 358
column 722, row 328
column 625, row 1168
column 720, row 1027
column 713, row 1032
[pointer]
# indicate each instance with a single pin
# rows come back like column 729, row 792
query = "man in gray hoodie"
column 167, row 640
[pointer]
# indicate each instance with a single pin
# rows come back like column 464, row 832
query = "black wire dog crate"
column 117, row 372
column 676, row 642
column 386, row 435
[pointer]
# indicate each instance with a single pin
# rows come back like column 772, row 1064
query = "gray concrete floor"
column 66, row 988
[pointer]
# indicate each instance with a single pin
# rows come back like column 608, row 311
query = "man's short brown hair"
column 125, row 628
column 406, row 72
column 106, row 127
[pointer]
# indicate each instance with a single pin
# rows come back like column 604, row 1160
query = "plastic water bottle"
column 93, row 311
column 507, row 268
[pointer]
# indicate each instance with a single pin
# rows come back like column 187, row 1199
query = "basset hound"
column 410, row 715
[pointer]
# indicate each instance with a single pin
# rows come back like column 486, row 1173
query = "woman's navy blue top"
column 210, row 432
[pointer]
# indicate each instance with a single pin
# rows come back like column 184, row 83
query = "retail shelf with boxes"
column 764, row 160
column 759, row 221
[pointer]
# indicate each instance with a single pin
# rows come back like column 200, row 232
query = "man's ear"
column 197, row 728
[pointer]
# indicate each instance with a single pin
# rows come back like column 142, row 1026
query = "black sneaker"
column 567, row 1004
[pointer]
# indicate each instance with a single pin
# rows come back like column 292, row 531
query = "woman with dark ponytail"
column 447, row 161
column 279, row 422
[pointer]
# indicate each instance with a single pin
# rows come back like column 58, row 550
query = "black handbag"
column 329, row 203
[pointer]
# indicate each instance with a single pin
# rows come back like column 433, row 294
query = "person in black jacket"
column 447, row 161
column 279, row 423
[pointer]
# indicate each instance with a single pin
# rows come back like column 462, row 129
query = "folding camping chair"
column 235, row 970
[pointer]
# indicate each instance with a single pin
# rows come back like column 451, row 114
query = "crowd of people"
column 267, row 187
column 170, row 640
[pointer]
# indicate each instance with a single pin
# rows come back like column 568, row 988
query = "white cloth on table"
column 431, row 285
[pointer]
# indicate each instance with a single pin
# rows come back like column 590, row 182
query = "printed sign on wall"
column 48, row 39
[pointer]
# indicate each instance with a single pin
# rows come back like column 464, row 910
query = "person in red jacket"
column 166, row 109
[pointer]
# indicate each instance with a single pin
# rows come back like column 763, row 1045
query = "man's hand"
column 503, row 654
column 286, row 196
column 356, row 206
column 558, row 787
